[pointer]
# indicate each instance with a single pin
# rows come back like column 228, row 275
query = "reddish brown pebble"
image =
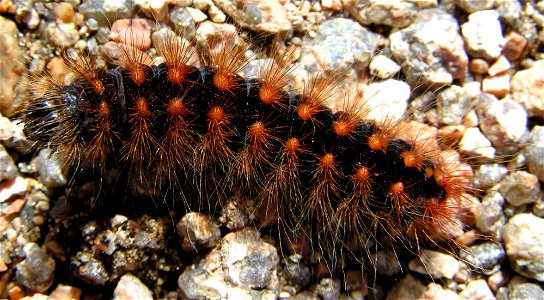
column 513, row 48
column 133, row 32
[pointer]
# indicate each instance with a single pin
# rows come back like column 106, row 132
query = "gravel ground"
column 472, row 71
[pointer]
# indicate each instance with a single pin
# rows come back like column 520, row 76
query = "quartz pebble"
column 483, row 34
column 395, row 13
column 383, row 67
column 523, row 237
column 475, row 144
column 486, row 257
column 477, row 289
column 387, row 99
column 487, row 175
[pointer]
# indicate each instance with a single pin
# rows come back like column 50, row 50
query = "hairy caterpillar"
column 199, row 132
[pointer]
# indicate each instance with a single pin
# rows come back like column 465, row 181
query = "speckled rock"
column 198, row 231
column 338, row 43
column 486, row 257
column 534, row 152
column 183, row 22
column 483, row 34
column 475, row 144
column 131, row 288
column 477, row 289
column 523, row 238
column 527, row 87
column 435, row 264
column 62, row 35
column 297, row 272
column 431, row 50
column 383, row 67
column 502, row 122
column 267, row 16
column 524, row 291
column 8, row 170
column 490, row 219
column 240, row 264
column 105, row 11
column 387, row 99
column 452, row 104
column 394, row 13
column 11, row 68
column 487, row 175
column 37, row 270
column 520, row 188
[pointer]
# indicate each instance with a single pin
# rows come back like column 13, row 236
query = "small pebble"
column 486, row 257
column 476, row 145
column 514, row 45
column 525, row 291
column 64, row 12
column 131, row 288
column 534, row 152
column 527, row 86
column 328, row 289
column 523, row 237
column 198, row 231
column 132, row 32
column 483, row 34
column 383, row 67
column 397, row 14
column 263, row 16
column 477, row 289
column 37, row 270
column 499, row 66
column 452, row 104
column 471, row 6
column 435, row 264
column 498, row 85
column 488, row 175
column 520, row 188
column 478, row 66
column 387, row 99
column 65, row 292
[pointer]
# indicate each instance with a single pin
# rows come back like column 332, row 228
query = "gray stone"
column 92, row 271
column 339, row 43
column 525, row 291
column 105, row 12
column 503, row 122
column 534, row 152
column 241, row 264
column 488, row 175
column 8, row 170
column 452, row 104
column 131, row 288
column 183, row 22
column 297, row 272
column 431, row 50
column 386, row 263
column 486, row 257
column 394, row 13
column 490, row 219
column 483, row 34
column 523, row 238
column 49, row 169
column 520, row 188
column 37, row 270
column 61, row 34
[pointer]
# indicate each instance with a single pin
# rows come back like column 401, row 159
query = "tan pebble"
column 3, row 266
column 513, row 48
column 498, row 279
column 64, row 12
column 498, row 85
column 451, row 132
column 38, row 220
column 9, row 188
column 478, row 66
column 499, row 66
column 16, row 293
column 58, row 69
column 15, row 207
column 134, row 32
column 65, row 292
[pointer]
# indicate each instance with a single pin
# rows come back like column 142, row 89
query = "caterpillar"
column 197, row 132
